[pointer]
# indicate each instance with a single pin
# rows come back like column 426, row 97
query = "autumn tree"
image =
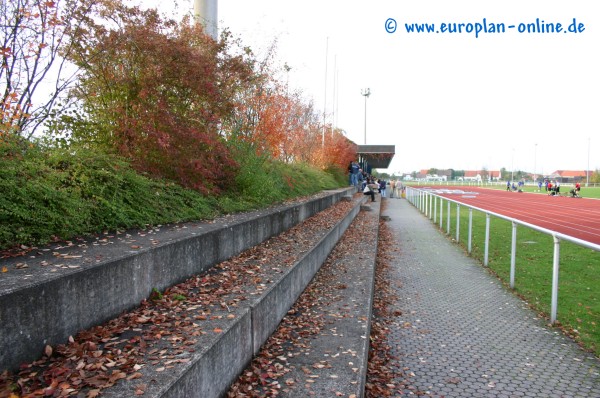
column 282, row 125
column 34, row 71
column 156, row 91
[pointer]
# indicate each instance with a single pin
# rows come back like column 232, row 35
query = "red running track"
column 576, row 217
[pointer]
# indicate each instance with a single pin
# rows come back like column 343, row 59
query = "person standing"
column 399, row 189
column 382, row 186
column 392, row 188
column 354, row 173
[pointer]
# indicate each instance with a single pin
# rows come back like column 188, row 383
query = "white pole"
column 448, row 220
column 555, row 272
column 487, row 240
column 470, row 229
column 457, row 223
column 325, row 99
column 587, row 172
column 535, row 164
column 366, row 94
column 513, row 255
column 206, row 11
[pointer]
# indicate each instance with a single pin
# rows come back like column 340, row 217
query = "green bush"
column 50, row 193
column 66, row 193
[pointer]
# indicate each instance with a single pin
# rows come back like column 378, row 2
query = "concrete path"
column 462, row 334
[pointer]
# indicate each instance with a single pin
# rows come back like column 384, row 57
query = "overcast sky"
column 526, row 101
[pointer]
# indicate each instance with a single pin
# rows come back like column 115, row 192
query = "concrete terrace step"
column 236, row 329
column 333, row 361
column 225, row 333
column 60, row 290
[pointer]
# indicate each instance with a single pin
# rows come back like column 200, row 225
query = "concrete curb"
column 45, row 304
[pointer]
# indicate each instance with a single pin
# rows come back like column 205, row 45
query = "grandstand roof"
column 377, row 156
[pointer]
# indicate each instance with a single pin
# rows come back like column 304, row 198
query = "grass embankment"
column 579, row 279
column 62, row 194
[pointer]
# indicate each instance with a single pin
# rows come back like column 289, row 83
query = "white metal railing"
column 426, row 201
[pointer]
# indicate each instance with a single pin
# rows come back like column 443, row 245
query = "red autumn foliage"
column 160, row 98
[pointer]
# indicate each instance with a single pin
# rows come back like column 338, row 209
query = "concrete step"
column 321, row 347
column 60, row 290
column 234, row 331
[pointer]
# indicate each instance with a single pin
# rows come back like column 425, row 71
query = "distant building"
column 481, row 175
column 570, row 175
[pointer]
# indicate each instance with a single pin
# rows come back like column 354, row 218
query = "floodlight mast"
column 366, row 93
column 206, row 12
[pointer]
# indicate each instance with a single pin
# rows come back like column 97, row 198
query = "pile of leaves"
column 383, row 377
column 167, row 327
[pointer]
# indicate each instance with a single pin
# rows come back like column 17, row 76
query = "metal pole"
column 534, row 164
column 457, row 222
column 487, row 240
column 513, row 255
column 555, row 272
column 366, row 93
column 587, row 172
column 206, row 12
column 512, row 166
column 441, row 213
column 470, row 230
column 431, row 199
column 325, row 97
column 448, row 220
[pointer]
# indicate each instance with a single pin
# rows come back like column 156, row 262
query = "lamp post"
column 587, row 172
column 366, row 93
column 512, row 166
column 535, row 164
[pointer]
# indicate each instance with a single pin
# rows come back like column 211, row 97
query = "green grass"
column 51, row 193
column 579, row 279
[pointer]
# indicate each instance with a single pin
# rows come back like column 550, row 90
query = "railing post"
column 441, row 213
column 555, row 271
column 435, row 209
column 431, row 199
column 513, row 255
column 457, row 222
column 470, row 230
column 448, row 220
column 487, row 239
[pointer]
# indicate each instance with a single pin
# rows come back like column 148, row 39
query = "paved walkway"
column 462, row 334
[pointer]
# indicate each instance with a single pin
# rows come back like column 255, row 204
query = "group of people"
column 371, row 185
column 512, row 187
column 552, row 187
